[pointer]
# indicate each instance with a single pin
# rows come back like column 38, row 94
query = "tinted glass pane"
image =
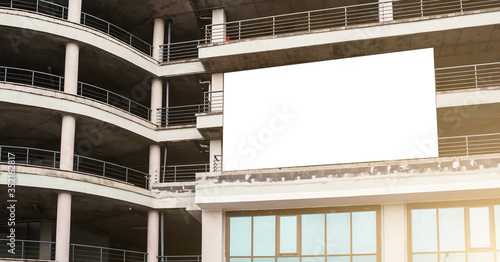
column 240, row 236
column 497, row 225
column 338, row 233
column 338, row 259
column 425, row 258
column 288, row 234
column 364, row 232
column 482, row 257
column 479, row 227
column 263, row 259
column 364, row 259
column 313, row 259
column 451, row 229
column 424, row 230
column 453, row 257
column 288, row 259
column 313, row 234
column 264, row 233
column 239, row 259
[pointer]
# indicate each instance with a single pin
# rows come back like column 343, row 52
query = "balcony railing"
column 340, row 17
column 214, row 101
column 180, row 50
column 179, row 258
column 217, row 163
column 54, row 82
column 183, row 173
column 30, row 249
column 469, row 145
column 468, row 76
column 49, row 158
column 59, row 11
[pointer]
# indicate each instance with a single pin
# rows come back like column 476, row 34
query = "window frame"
column 299, row 212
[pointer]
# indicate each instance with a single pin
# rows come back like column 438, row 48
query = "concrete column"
column 153, row 235
column 74, row 11
column 385, row 11
column 45, row 236
column 158, row 37
column 67, row 142
column 154, row 164
column 218, row 31
column 63, row 227
column 156, row 98
column 212, row 236
column 216, row 150
column 217, row 98
column 71, row 68
column 394, row 233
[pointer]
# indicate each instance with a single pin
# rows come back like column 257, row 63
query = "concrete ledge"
column 435, row 179
column 468, row 97
column 210, row 125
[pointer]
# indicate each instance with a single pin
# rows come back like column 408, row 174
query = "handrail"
column 188, row 258
column 50, row 158
column 180, row 50
column 468, row 77
column 183, row 173
column 55, row 82
column 34, row 249
column 340, row 17
column 178, row 115
column 59, row 11
column 214, row 101
column 217, row 163
column 469, row 145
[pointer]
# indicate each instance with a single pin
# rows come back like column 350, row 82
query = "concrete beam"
column 467, row 97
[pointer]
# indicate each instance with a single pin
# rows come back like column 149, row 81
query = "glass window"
column 240, row 259
column 497, row 225
column 479, row 227
column 288, row 259
column 482, row 257
column 425, row 258
column 313, row 259
column 288, row 234
column 264, row 232
column 364, row 232
column 364, row 259
column 263, row 259
column 424, row 230
column 338, row 259
column 453, row 257
column 451, row 229
column 338, row 231
column 240, row 237
column 313, row 234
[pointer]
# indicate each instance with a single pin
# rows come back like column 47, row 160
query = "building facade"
column 112, row 134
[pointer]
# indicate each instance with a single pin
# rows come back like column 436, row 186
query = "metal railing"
column 183, row 173
column 340, row 17
column 49, row 158
column 214, row 101
column 28, row 249
column 217, row 163
column 180, row 50
column 469, row 145
column 44, row 250
column 468, row 76
column 178, row 115
column 84, row 253
column 54, row 82
column 59, row 11
column 194, row 258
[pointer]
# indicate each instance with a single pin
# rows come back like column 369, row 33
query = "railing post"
column 37, row 3
column 467, row 145
column 175, row 174
column 54, row 160
column 274, row 25
column 126, row 175
column 124, row 255
column 129, row 101
column 109, row 24
column 73, row 253
column 33, row 78
column 60, row 87
column 5, row 75
column 475, row 76
column 461, row 7
column 0, row 154
column 239, row 30
column 309, row 21
column 11, row 3
column 421, row 8
column 345, row 16
column 77, row 162
column 104, row 169
column 100, row 255
column 107, row 97
column 130, row 40
column 27, row 155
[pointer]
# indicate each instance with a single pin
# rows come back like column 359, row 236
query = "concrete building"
column 111, row 134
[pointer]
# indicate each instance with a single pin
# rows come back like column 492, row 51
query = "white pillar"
column 45, row 236
column 385, row 10
column 394, row 233
column 156, row 98
column 71, row 68
column 158, row 37
column 212, row 236
column 216, row 150
column 217, row 84
column 74, row 11
column 63, row 227
column 67, row 142
column 218, row 31
column 154, row 164
column 153, row 235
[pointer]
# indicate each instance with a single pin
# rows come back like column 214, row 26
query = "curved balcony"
column 60, row 11
column 54, row 82
column 49, row 158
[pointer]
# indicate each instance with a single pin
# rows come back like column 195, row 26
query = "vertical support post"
column 385, row 11
column 45, row 237
column 461, row 7
column 421, row 8
column 164, row 165
column 154, row 164
column 239, row 30
column 393, row 230
column 162, row 235
column 75, row 11
column 219, row 26
column 467, row 145
column 215, row 150
column 63, row 227
column 212, row 236
column 71, row 68
column 274, row 25
column 169, row 32
column 67, row 142
column 37, row 4
column 156, row 95
column 27, row 156
column 158, row 37
column 345, row 16
column 309, row 21
column 475, row 76
column 33, row 78
column 153, row 230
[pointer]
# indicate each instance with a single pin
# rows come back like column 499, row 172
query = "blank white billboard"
column 371, row 108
